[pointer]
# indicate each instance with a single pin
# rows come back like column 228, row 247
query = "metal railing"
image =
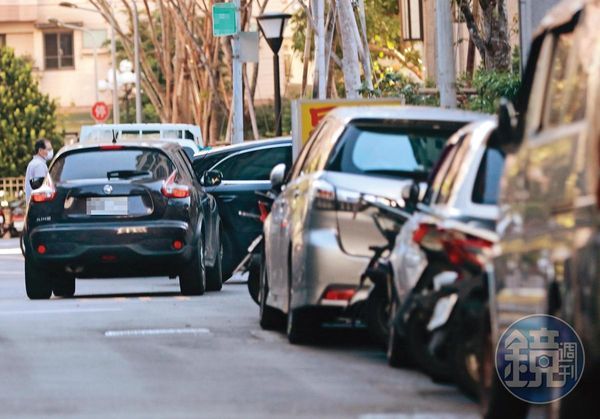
column 11, row 187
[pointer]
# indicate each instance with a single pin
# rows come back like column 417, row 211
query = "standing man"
column 37, row 166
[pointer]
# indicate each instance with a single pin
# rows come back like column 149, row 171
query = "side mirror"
column 411, row 193
column 507, row 121
column 211, row 178
column 277, row 176
column 36, row 182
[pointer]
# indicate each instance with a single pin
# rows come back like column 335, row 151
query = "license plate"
column 107, row 206
column 442, row 311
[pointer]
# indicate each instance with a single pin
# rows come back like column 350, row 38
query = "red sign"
column 100, row 112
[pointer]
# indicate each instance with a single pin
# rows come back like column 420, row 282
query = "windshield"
column 106, row 164
column 391, row 151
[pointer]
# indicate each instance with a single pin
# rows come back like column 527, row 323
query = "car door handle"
column 227, row 198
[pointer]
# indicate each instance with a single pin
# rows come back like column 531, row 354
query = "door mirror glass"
column 277, row 176
column 411, row 194
column 211, row 178
column 36, row 183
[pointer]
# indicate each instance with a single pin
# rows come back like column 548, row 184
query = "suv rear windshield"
column 104, row 164
column 391, row 151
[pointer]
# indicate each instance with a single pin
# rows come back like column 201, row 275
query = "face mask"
column 49, row 155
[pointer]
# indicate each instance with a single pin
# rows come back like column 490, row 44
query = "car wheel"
column 270, row 318
column 254, row 282
column 377, row 315
column 214, row 275
column 397, row 354
column 228, row 254
column 192, row 281
column 37, row 285
column 437, row 366
column 63, row 285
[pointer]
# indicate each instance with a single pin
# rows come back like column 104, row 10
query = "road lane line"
column 60, row 311
column 16, row 251
column 155, row 332
column 182, row 298
column 145, row 298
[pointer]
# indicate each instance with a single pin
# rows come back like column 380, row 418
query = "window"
column 487, row 182
column 58, row 50
column 81, row 165
column 319, row 152
column 254, row 165
column 412, row 20
column 440, row 170
column 390, row 151
column 2, row 40
column 567, row 89
column 206, row 161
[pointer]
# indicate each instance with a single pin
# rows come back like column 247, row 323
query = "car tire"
column 37, row 285
column 214, row 275
column 377, row 315
column 254, row 282
column 192, row 281
column 397, row 353
column 417, row 336
column 63, row 286
column 269, row 317
column 228, row 254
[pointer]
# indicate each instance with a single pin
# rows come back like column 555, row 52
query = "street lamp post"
column 95, row 49
column 271, row 26
column 113, row 52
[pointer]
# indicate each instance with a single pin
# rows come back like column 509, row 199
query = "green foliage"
column 394, row 84
column 25, row 114
column 491, row 86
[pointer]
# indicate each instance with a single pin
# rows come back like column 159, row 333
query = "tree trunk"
column 350, row 62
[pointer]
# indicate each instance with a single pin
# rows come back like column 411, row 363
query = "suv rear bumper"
column 128, row 249
column 327, row 265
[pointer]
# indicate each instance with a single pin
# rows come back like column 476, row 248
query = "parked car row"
column 439, row 235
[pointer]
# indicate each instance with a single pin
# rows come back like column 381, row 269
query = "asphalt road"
column 132, row 348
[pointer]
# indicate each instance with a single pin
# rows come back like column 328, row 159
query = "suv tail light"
column 459, row 248
column 171, row 189
column 45, row 193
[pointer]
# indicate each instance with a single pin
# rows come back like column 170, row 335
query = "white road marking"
column 155, row 332
column 15, row 251
column 12, row 272
column 417, row 416
column 60, row 311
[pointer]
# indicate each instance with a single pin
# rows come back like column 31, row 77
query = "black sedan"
column 244, row 169
column 120, row 210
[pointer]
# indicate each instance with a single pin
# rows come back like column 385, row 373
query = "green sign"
column 224, row 19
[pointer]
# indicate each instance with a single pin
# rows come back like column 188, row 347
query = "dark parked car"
column 244, row 170
column 121, row 210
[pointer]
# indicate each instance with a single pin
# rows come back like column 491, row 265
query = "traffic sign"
column 224, row 23
column 100, row 112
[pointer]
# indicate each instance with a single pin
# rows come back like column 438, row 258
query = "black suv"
column 119, row 210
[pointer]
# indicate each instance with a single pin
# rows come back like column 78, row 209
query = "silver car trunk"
column 356, row 228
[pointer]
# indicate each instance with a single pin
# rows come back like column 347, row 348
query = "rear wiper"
column 126, row 174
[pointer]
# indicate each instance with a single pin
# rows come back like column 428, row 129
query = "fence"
column 11, row 187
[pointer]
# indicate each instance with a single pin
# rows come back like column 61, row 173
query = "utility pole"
column 136, row 48
column 322, row 68
column 115, row 90
column 237, row 106
column 446, row 72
